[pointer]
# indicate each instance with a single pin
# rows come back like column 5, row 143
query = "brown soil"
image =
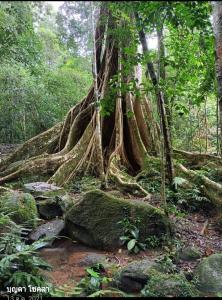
column 68, row 260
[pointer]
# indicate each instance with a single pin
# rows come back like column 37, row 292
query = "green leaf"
column 92, row 273
column 124, row 238
column 135, row 233
column 178, row 181
column 131, row 244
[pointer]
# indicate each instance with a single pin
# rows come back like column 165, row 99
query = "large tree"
column 112, row 129
column 126, row 135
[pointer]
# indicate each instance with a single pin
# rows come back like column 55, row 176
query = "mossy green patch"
column 21, row 206
column 168, row 285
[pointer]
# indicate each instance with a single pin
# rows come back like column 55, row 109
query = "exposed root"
column 124, row 183
column 211, row 189
column 41, row 165
column 198, row 158
column 75, row 158
column 44, row 142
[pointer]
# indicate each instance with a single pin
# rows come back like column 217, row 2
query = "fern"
column 19, row 263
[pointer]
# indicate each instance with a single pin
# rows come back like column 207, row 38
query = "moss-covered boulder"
column 209, row 274
column 94, row 219
column 133, row 277
column 21, row 206
column 168, row 285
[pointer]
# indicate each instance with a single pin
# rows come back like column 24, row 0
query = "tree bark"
column 162, row 72
column 217, row 26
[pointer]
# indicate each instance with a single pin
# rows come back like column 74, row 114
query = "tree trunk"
column 217, row 26
column 161, row 105
column 87, row 142
column 162, row 73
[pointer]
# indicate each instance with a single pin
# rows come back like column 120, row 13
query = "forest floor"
column 69, row 259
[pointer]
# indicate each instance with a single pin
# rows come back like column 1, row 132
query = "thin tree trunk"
column 206, row 125
column 98, row 133
column 217, row 117
column 161, row 103
column 162, row 71
column 217, row 26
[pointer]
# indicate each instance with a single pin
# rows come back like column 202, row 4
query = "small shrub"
column 131, row 236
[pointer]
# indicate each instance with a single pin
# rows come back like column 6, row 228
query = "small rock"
column 133, row 277
column 49, row 209
column 92, row 259
column 43, row 189
column 189, row 253
column 50, row 229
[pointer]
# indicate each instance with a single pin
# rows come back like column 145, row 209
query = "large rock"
column 209, row 274
column 94, row 219
column 21, row 205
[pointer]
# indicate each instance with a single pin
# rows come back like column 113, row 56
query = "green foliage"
column 131, row 236
column 166, row 265
column 177, row 181
column 153, row 241
column 19, row 263
column 18, row 38
column 91, row 285
column 39, row 79
column 189, row 199
column 172, row 209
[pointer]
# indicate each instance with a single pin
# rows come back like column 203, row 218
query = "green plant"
column 166, row 265
column 19, row 263
column 131, row 236
column 178, row 181
column 153, row 241
column 91, row 285
column 189, row 199
column 172, row 209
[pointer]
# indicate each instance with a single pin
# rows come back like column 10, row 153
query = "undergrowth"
column 20, row 265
